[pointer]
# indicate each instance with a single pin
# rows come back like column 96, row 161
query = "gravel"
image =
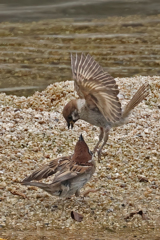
column 33, row 132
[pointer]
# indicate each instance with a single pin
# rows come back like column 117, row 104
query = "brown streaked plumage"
column 98, row 103
column 97, row 87
column 71, row 173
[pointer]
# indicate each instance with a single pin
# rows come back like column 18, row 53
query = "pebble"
column 26, row 143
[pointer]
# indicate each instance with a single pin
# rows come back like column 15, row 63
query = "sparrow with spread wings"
column 71, row 173
column 98, row 104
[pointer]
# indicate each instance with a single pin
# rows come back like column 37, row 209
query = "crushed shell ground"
column 33, row 132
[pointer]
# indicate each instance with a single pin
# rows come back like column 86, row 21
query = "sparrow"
column 98, row 102
column 70, row 173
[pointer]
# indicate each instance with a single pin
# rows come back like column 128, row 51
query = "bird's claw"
column 86, row 192
column 98, row 152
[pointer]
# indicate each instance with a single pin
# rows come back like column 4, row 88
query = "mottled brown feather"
column 48, row 169
column 140, row 95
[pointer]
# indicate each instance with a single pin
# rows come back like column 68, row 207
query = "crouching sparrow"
column 71, row 173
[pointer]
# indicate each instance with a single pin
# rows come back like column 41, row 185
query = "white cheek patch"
column 75, row 116
column 90, row 161
column 80, row 104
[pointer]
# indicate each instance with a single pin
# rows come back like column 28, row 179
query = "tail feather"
column 138, row 97
column 53, row 189
column 43, row 172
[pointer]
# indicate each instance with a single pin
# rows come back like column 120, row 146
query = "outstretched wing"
column 96, row 86
column 49, row 169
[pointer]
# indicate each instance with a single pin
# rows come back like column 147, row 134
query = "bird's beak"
column 81, row 138
column 71, row 123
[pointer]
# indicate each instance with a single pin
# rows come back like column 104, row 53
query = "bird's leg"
column 63, row 210
column 106, row 134
column 77, row 193
column 100, row 139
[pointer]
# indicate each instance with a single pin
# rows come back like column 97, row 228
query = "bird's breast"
column 93, row 117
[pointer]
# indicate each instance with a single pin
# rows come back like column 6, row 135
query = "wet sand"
column 36, row 54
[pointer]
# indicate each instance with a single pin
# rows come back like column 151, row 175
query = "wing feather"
column 96, row 86
column 49, row 169
column 73, row 171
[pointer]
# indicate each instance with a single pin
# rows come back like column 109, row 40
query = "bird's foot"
column 99, row 153
column 86, row 192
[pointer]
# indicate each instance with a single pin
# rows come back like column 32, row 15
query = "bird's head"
column 70, row 113
column 82, row 155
